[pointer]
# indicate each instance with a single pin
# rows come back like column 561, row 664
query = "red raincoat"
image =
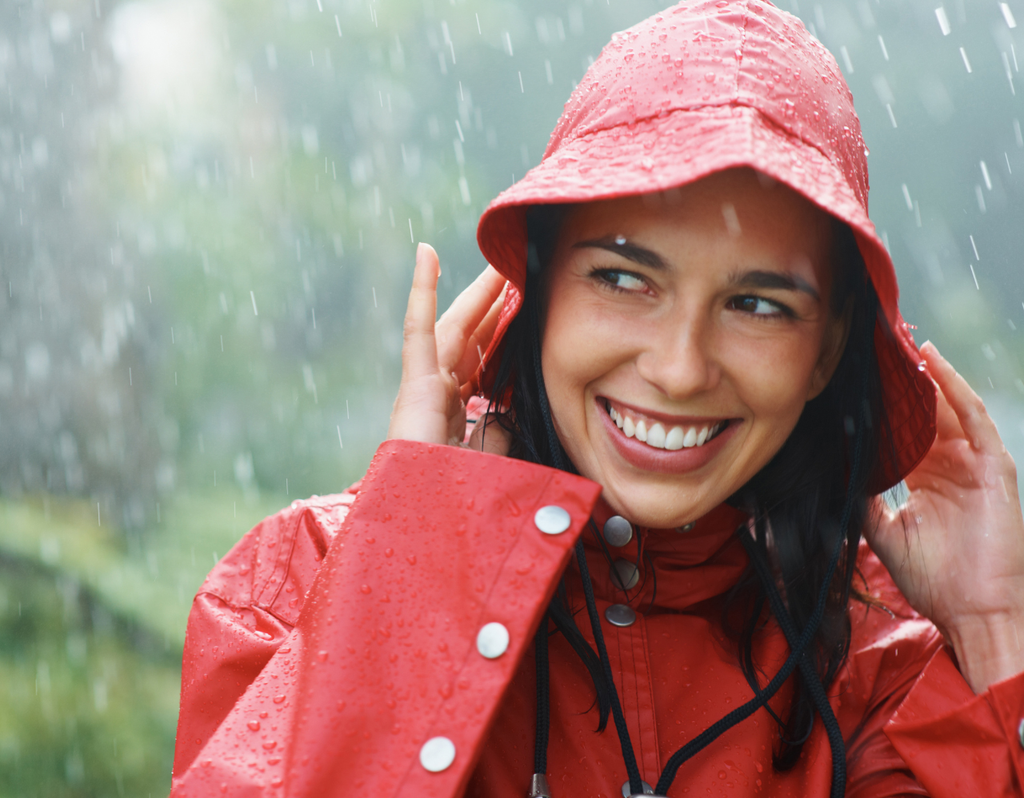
column 341, row 635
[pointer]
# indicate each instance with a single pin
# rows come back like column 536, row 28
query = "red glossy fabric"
column 339, row 635
column 702, row 87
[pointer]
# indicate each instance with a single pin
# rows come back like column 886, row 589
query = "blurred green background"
column 208, row 211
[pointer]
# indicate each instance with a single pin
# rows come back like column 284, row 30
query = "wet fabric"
column 339, row 635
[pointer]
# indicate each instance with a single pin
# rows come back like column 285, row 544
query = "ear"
column 833, row 344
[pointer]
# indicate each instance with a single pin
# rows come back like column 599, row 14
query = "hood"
column 699, row 88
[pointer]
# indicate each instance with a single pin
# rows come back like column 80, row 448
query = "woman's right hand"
column 440, row 359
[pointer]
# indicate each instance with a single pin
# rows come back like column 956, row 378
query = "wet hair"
column 797, row 500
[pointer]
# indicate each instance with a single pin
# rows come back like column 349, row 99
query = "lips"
column 656, row 442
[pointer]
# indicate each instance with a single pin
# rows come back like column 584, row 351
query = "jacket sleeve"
column 958, row 743
column 338, row 692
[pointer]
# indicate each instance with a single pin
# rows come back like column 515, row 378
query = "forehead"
column 740, row 203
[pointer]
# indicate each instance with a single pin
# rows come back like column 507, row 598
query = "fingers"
column 464, row 325
column 419, row 348
column 967, row 406
column 477, row 344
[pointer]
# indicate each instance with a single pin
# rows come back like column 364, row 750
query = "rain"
column 208, row 216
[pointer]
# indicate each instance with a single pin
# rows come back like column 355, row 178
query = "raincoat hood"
column 696, row 89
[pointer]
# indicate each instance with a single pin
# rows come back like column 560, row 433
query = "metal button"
column 620, row 615
column 687, row 527
column 1020, row 733
column 552, row 520
column 492, row 640
column 618, row 531
column 437, row 754
column 625, row 574
column 627, row 793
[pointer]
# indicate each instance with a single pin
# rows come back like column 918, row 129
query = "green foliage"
column 91, row 631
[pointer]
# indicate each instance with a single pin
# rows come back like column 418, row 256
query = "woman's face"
column 682, row 335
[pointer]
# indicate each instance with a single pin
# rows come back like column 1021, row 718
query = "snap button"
column 552, row 520
column 437, row 754
column 492, row 640
column 687, row 527
column 618, row 531
column 620, row 615
column 625, row 574
column 1020, row 733
column 626, row 793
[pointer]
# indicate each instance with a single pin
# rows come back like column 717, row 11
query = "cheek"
column 775, row 376
column 577, row 348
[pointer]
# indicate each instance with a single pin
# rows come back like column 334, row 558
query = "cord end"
column 539, row 787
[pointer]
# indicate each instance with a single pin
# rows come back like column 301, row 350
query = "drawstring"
column 797, row 657
column 540, row 749
column 811, row 678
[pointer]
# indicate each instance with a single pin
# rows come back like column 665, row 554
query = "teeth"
column 674, row 439
column 656, row 436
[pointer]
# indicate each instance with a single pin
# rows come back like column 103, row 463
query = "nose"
column 679, row 358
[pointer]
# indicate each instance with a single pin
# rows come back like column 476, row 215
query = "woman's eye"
column 624, row 281
column 756, row 305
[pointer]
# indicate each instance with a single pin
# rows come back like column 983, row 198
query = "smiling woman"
column 707, row 377
column 697, row 383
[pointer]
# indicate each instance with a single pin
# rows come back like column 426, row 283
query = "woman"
column 701, row 378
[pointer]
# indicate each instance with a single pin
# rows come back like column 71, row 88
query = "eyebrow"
column 752, row 279
column 777, row 280
column 627, row 250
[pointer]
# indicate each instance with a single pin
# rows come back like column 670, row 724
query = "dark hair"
column 796, row 500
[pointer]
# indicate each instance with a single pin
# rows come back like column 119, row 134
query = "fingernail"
column 419, row 249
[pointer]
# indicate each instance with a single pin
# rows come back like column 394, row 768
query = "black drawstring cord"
column 540, row 748
column 635, row 782
column 811, row 678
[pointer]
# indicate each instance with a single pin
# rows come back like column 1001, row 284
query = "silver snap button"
column 437, row 754
column 687, row 527
column 620, row 615
column 492, row 640
column 618, row 531
column 1020, row 733
column 552, row 520
column 627, row 793
column 625, row 574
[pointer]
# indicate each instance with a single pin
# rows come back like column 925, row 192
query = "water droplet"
column 254, row 725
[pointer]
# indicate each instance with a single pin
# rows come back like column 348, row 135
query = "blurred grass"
column 91, row 630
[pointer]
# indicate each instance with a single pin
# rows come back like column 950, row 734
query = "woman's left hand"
column 956, row 546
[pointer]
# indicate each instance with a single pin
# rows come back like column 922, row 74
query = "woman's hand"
column 956, row 547
column 439, row 360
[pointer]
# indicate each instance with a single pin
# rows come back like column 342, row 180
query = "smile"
column 662, row 435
